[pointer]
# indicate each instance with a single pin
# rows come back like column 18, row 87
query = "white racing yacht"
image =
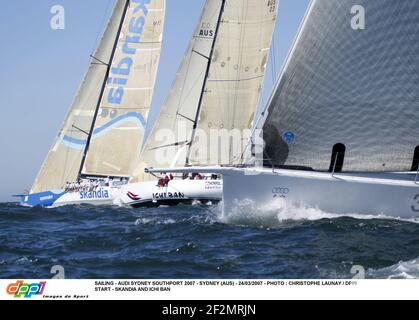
column 99, row 143
column 341, row 129
column 207, row 117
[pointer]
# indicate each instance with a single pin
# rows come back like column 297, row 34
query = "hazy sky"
column 41, row 69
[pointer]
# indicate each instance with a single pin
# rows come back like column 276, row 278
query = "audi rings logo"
column 280, row 192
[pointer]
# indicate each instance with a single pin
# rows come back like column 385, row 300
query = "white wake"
column 401, row 270
column 277, row 213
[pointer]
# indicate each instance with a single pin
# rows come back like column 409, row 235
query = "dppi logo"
column 27, row 290
column 280, row 192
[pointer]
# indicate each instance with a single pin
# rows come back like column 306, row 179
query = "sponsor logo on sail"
column 21, row 289
column 99, row 194
column 121, row 69
column 280, row 192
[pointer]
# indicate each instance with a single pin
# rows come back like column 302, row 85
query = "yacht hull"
column 58, row 198
column 388, row 194
column 374, row 194
column 149, row 193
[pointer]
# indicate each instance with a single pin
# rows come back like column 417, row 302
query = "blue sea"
column 200, row 242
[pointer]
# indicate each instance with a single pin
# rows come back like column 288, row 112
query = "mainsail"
column 217, row 86
column 349, row 86
column 234, row 81
column 119, row 127
column 64, row 159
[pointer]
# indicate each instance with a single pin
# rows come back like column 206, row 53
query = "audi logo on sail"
column 280, row 191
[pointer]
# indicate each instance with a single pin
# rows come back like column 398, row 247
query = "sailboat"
column 341, row 128
column 99, row 142
column 215, row 93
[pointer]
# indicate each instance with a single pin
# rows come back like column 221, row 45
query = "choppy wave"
column 400, row 270
column 202, row 242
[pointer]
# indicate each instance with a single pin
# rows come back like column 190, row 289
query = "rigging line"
column 191, row 46
column 274, row 56
column 189, row 51
column 100, row 61
column 89, row 138
column 100, row 27
column 75, row 127
column 199, row 53
column 273, row 64
column 201, row 98
column 185, row 96
column 185, row 117
column 170, row 145
column 65, row 169
column 245, row 11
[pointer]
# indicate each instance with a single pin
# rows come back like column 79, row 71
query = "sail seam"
column 235, row 80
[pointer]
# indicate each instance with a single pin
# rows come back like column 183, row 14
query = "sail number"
column 272, row 5
column 415, row 207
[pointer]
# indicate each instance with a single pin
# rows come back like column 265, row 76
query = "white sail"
column 64, row 158
column 167, row 143
column 223, row 94
column 234, row 83
column 119, row 127
column 349, row 89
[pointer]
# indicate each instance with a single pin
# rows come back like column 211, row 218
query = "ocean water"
column 200, row 242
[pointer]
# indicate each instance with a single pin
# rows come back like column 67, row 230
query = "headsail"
column 63, row 160
column 119, row 127
column 217, row 85
column 344, row 85
column 171, row 133
column 234, row 83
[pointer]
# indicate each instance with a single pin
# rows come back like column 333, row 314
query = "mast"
column 201, row 98
column 109, row 66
